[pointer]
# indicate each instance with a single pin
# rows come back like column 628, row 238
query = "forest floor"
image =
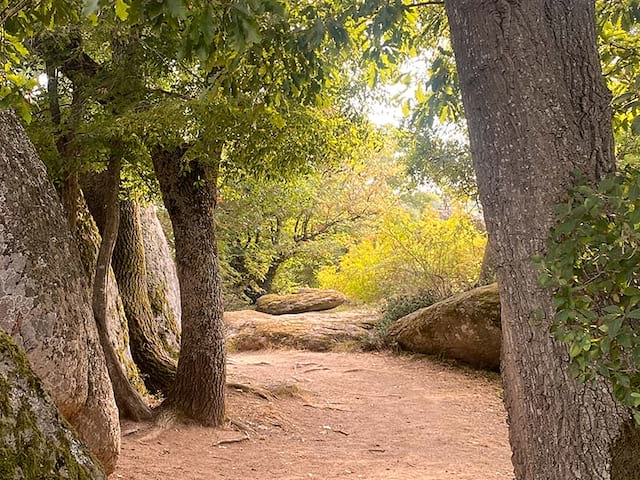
column 373, row 416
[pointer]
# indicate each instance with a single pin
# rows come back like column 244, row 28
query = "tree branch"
column 423, row 4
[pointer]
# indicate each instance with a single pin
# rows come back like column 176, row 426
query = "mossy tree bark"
column 129, row 401
column 538, row 111
column 129, row 266
column 190, row 198
column 35, row 441
column 488, row 268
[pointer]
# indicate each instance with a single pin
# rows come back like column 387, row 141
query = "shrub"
column 399, row 306
column 592, row 267
column 409, row 255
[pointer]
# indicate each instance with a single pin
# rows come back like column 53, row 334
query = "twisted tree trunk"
column 190, row 198
column 129, row 401
column 89, row 241
column 538, row 111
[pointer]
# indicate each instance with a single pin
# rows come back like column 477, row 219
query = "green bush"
column 398, row 306
column 592, row 268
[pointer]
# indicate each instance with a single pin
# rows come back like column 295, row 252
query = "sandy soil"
column 336, row 416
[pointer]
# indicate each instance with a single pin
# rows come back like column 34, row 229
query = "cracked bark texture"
column 44, row 295
column 190, row 198
column 538, row 111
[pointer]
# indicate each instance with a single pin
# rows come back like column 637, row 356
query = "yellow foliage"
column 407, row 255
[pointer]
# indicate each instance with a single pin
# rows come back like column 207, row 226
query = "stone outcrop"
column 44, row 296
column 319, row 332
column 162, row 280
column 465, row 327
column 306, row 300
column 35, row 441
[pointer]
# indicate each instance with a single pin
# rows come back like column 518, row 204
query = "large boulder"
column 44, row 296
column 35, row 441
column 319, row 332
column 306, row 300
column 162, row 280
column 464, row 327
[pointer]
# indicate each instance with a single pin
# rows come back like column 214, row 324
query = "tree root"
column 257, row 391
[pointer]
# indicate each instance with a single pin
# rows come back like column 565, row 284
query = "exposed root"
column 257, row 391
column 325, row 407
column 241, row 426
column 315, row 369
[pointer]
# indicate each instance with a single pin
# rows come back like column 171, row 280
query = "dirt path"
column 337, row 416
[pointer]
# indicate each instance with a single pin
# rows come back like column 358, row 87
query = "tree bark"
column 538, row 111
column 129, row 266
column 89, row 241
column 130, row 403
column 190, row 198
column 488, row 267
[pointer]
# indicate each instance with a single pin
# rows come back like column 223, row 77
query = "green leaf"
column 122, row 10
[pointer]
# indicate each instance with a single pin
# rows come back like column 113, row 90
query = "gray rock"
column 35, row 441
column 306, row 300
column 44, row 296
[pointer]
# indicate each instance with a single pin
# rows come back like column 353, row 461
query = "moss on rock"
column 36, row 443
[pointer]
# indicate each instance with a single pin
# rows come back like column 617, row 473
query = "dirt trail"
column 337, row 416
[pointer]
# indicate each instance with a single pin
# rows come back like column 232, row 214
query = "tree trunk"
column 488, row 267
column 129, row 266
column 129, row 401
column 538, row 110
column 44, row 295
column 35, row 442
column 89, row 241
column 162, row 281
column 190, row 198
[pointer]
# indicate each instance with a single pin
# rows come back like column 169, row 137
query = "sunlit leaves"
column 410, row 254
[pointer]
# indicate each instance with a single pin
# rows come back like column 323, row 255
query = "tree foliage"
column 591, row 265
column 276, row 232
column 408, row 254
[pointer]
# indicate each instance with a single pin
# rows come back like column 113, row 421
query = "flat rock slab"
column 319, row 332
column 306, row 300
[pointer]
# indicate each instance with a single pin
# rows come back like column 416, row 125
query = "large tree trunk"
column 538, row 110
column 129, row 266
column 35, row 442
column 44, row 296
column 162, row 280
column 190, row 198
